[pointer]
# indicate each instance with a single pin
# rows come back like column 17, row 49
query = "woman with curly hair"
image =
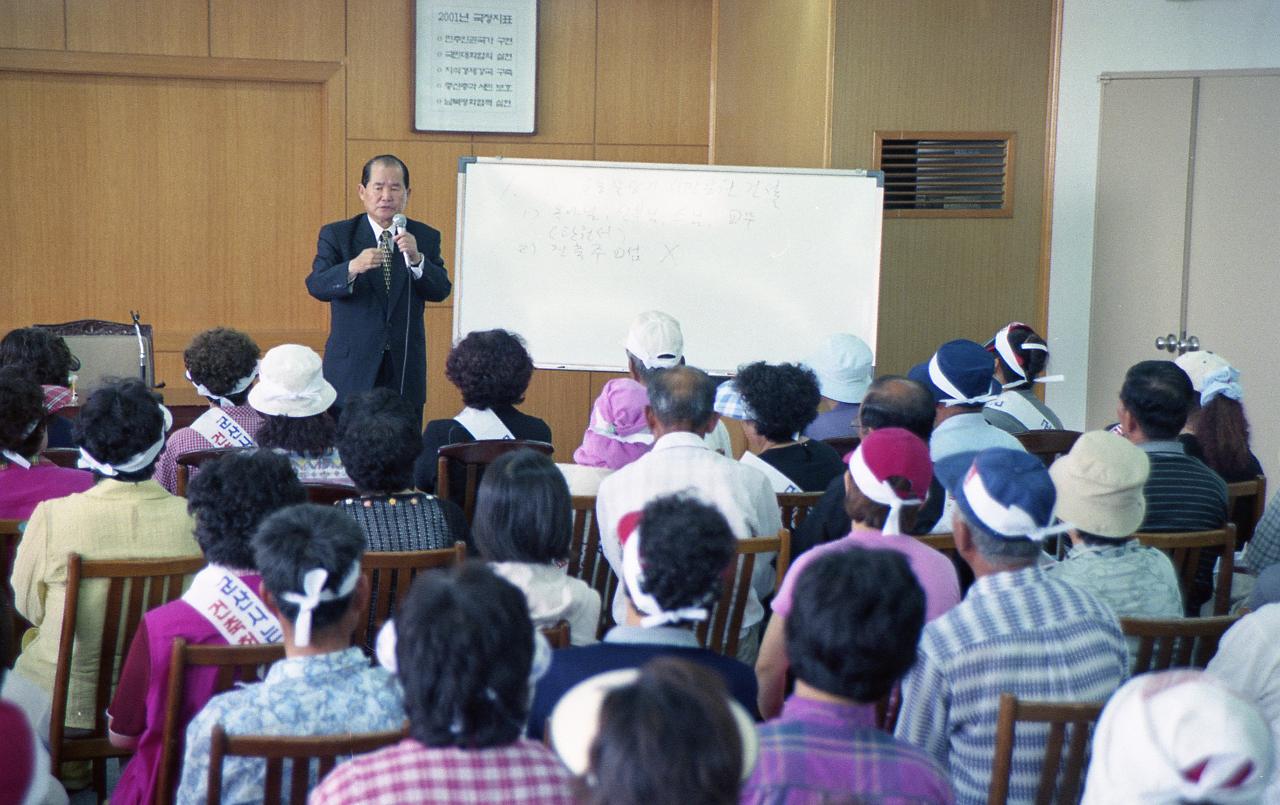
column 775, row 403
column 125, row 515
column 25, row 479
column 222, row 364
column 1020, row 356
column 228, row 499
column 294, row 399
column 45, row 358
column 492, row 369
column 1217, row 431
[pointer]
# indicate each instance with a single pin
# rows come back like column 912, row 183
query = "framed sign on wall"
column 476, row 65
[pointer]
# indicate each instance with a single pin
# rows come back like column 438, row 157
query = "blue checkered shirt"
column 1019, row 632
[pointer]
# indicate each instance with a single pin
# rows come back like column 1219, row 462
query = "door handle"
column 1168, row 343
column 1188, row 344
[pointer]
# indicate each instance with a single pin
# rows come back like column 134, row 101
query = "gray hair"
column 1001, row 552
column 682, row 396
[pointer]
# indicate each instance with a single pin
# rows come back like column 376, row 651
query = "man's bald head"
column 681, row 399
column 893, row 401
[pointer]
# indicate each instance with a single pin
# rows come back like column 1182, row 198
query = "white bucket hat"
column 290, row 383
column 844, row 366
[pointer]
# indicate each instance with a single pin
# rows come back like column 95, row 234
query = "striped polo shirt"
column 1182, row 493
column 1021, row 632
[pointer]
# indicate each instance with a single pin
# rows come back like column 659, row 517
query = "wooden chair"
column 194, row 459
column 1047, row 445
column 233, row 664
column 1184, row 549
column 587, row 560
column 1070, row 724
column 1246, row 501
column 323, row 750
column 1175, row 642
column 721, row 630
column 795, row 506
column 390, row 573
column 844, row 444
column 328, row 494
column 133, row 588
column 945, row 542
column 557, row 634
column 62, row 456
column 468, row 459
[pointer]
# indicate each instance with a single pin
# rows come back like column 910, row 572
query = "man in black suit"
column 376, row 278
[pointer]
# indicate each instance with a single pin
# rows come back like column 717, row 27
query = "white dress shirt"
column 682, row 462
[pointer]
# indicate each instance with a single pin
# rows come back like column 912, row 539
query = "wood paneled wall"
column 189, row 150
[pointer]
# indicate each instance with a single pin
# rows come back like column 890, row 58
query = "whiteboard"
column 755, row 263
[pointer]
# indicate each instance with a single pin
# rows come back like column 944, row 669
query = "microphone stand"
column 142, row 346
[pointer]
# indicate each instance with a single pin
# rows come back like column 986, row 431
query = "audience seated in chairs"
column 1017, row 631
column 960, row 376
column 492, row 369
column 844, row 366
column 665, row 733
column 1217, row 430
column 680, row 403
column 25, row 765
column 523, row 526
column 1021, row 356
column 294, row 399
column 45, row 358
column 617, row 435
column 683, row 546
column 851, row 634
column 309, row 560
column 1179, row 736
column 228, row 499
column 25, row 479
column 221, row 363
column 1099, row 485
column 465, row 652
column 888, row 472
column 378, row 442
column 775, row 402
column 125, row 515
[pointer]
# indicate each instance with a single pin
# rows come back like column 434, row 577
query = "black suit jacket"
column 365, row 320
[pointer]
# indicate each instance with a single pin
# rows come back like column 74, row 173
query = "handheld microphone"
column 398, row 223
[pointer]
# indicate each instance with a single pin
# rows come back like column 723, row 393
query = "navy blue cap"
column 961, row 372
column 1007, row 492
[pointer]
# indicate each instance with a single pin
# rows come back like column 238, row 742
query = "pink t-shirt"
column 22, row 489
column 933, row 569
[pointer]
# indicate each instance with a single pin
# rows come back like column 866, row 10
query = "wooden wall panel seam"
column 1050, row 163
column 149, row 66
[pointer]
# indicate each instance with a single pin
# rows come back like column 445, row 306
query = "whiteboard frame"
column 465, row 162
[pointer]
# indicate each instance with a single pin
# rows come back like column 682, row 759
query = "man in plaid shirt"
column 1017, row 631
column 465, row 650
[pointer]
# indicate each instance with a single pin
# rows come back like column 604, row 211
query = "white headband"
column 940, row 380
column 134, row 463
column 879, row 491
column 241, row 384
column 13, row 457
column 1011, row 360
column 647, row 605
column 1005, row 520
column 313, row 593
column 601, row 427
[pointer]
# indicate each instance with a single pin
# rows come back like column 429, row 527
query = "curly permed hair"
column 490, row 367
column 377, row 441
column 120, row 419
column 784, row 397
column 21, row 404
column 686, row 545
column 219, row 358
column 231, row 495
column 45, row 357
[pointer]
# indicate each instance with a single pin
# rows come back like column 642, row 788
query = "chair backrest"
column 1047, row 445
column 844, row 444
column 1246, row 501
column 470, row 458
column 587, row 561
column 557, row 634
column 328, row 494
column 233, row 663
column 325, row 750
column 134, row 587
column 62, row 456
column 1061, row 773
column 795, row 506
column 1184, row 549
column 390, row 574
column 107, row 349
column 945, row 542
column 721, row 630
column 1175, row 642
column 197, row 458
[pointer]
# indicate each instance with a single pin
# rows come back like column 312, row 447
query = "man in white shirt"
column 680, row 414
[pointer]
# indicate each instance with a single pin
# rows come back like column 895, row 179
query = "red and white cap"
column 883, row 454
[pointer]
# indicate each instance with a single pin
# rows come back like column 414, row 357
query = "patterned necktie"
column 384, row 246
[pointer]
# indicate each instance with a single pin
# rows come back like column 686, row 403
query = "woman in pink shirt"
column 25, row 479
